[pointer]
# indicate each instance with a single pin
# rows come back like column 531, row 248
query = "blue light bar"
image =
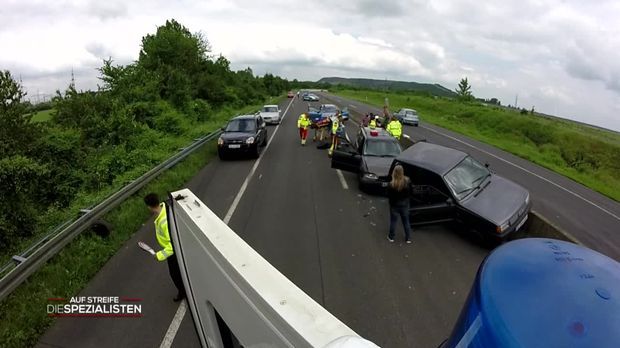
column 542, row 293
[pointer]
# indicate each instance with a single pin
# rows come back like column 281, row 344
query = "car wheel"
column 264, row 143
column 256, row 153
column 220, row 154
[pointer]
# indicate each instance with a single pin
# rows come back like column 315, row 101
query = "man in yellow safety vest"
column 303, row 123
column 373, row 123
column 163, row 238
column 395, row 128
column 335, row 126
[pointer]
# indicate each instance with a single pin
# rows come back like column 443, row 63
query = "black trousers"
column 175, row 273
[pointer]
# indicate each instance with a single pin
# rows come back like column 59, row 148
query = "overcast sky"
column 562, row 57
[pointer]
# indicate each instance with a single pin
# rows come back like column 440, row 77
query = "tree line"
column 96, row 138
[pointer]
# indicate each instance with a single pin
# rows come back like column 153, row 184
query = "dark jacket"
column 399, row 197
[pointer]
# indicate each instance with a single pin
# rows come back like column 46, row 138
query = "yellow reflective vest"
column 395, row 128
column 372, row 124
column 335, row 125
column 303, row 122
column 163, row 237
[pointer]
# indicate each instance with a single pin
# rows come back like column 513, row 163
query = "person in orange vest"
column 303, row 123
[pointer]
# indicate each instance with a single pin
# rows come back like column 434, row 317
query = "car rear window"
column 382, row 148
column 241, row 125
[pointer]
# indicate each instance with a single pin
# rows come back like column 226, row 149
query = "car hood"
column 378, row 165
column 499, row 201
column 237, row 135
column 328, row 114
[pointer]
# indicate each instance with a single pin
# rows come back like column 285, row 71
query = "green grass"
column 23, row 315
column 588, row 155
column 43, row 116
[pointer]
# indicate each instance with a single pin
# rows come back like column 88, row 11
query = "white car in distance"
column 270, row 113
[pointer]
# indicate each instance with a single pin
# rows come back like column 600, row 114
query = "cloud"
column 559, row 55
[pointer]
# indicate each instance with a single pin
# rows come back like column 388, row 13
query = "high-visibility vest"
column 372, row 124
column 163, row 237
column 335, row 125
column 395, row 128
column 303, row 122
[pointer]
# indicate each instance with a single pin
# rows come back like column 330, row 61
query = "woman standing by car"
column 398, row 194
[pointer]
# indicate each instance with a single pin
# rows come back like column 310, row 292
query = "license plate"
column 521, row 223
column 234, row 146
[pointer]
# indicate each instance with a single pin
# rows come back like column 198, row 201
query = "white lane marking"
column 527, row 171
column 178, row 317
column 352, row 106
column 235, row 202
column 470, row 333
column 174, row 326
column 342, row 180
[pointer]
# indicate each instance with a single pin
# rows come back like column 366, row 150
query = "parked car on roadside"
column 244, row 134
column 326, row 111
column 370, row 156
column 270, row 113
column 290, row 94
column 408, row 116
column 310, row 97
column 450, row 185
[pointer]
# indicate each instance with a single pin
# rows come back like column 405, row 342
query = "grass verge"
column 586, row 154
column 42, row 116
column 22, row 314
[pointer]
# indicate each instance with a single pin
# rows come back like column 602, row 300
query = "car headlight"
column 250, row 140
column 502, row 228
column 220, row 141
column 370, row 176
column 527, row 199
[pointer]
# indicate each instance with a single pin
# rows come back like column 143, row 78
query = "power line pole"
column 517, row 101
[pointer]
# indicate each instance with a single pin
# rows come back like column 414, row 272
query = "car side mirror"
column 450, row 201
column 486, row 165
column 222, row 128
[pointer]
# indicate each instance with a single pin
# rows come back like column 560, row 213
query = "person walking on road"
column 395, row 128
column 303, row 123
column 335, row 126
column 398, row 195
column 163, row 238
column 373, row 122
column 366, row 120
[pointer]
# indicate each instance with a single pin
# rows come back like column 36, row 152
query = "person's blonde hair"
column 399, row 180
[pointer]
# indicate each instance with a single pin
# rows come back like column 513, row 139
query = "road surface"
column 589, row 216
column 319, row 231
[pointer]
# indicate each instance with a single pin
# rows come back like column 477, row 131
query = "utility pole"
column 517, row 101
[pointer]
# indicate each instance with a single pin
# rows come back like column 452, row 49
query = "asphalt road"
column 320, row 232
column 588, row 216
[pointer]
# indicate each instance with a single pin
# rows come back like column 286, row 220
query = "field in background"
column 42, row 116
column 588, row 155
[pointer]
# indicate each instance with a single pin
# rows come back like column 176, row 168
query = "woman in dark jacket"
column 398, row 194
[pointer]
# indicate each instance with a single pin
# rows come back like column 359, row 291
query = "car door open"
column 346, row 157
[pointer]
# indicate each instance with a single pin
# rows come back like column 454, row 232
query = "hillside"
column 433, row 89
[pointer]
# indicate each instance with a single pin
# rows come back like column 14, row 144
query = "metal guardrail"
column 45, row 248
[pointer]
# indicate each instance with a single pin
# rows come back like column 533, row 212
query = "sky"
column 561, row 57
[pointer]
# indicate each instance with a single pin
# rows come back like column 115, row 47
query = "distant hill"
column 434, row 89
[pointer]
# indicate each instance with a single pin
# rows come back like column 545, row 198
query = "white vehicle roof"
column 270, row 106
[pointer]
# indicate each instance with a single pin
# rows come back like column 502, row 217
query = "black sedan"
column 450, row 185
column 244, row 134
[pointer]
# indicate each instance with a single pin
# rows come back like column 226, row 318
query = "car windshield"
column 329, row 108
column 382, row 148
column 465, row 177
column 410, row 113
column 241, row 125
column 270, row 109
